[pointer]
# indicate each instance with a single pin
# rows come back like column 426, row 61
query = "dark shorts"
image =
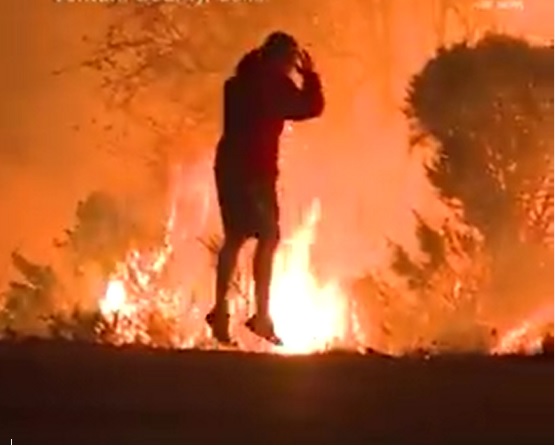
column 248, row 210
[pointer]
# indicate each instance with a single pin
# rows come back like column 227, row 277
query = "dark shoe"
column 219, row 327
column 264, row 328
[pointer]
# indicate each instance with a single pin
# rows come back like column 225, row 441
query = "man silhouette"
column 258, row 99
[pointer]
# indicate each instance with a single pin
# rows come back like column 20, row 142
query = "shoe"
column 263, row 328
column 219, row 327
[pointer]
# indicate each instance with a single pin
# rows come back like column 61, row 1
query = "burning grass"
column 149, row 299
column 492, row 178
column 310, row 315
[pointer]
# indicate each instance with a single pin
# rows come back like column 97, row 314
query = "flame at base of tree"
column 309, row 316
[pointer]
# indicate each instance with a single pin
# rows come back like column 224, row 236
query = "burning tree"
column 489, row 109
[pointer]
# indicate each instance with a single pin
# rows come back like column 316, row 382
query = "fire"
column 520, row 340
column 136, row 304
column 115, row 298
column 527, row 337
column 309, row 316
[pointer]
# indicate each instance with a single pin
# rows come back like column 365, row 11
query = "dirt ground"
column 55, row 392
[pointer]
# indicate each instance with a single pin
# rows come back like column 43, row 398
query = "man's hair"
column 278, row 44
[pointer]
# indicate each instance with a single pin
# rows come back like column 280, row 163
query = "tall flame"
column 308, row 316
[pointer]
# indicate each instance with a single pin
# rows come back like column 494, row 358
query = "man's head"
column 280, row 50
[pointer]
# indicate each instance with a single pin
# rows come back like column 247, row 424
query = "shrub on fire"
column 62, row 300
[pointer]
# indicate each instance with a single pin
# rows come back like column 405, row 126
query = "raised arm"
column 307, row 102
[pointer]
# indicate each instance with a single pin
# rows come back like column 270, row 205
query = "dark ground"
column 72, row 393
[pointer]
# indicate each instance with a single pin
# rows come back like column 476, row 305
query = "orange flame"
column 114, row 300
column 527, row 337
column 309, row 316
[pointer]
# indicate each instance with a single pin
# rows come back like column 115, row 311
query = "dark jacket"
column 257, row 102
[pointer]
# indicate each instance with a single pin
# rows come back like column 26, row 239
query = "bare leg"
column 262, row 272
column 227, row 259
column 269, row 236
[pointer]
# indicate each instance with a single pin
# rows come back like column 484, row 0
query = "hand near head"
column 305, row 63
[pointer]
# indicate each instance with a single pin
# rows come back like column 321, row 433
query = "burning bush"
column 62, row 301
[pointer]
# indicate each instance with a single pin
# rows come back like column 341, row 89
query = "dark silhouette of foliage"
column 432, row 243
column 490, row 107
column 103, row 233
column 26, row 301
column 548, row 346
column 83, row 326
column 408, row 268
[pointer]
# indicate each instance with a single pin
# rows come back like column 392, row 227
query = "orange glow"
column 114, row 300
column 528, row 335
column 309, row 316
column 355, row 160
